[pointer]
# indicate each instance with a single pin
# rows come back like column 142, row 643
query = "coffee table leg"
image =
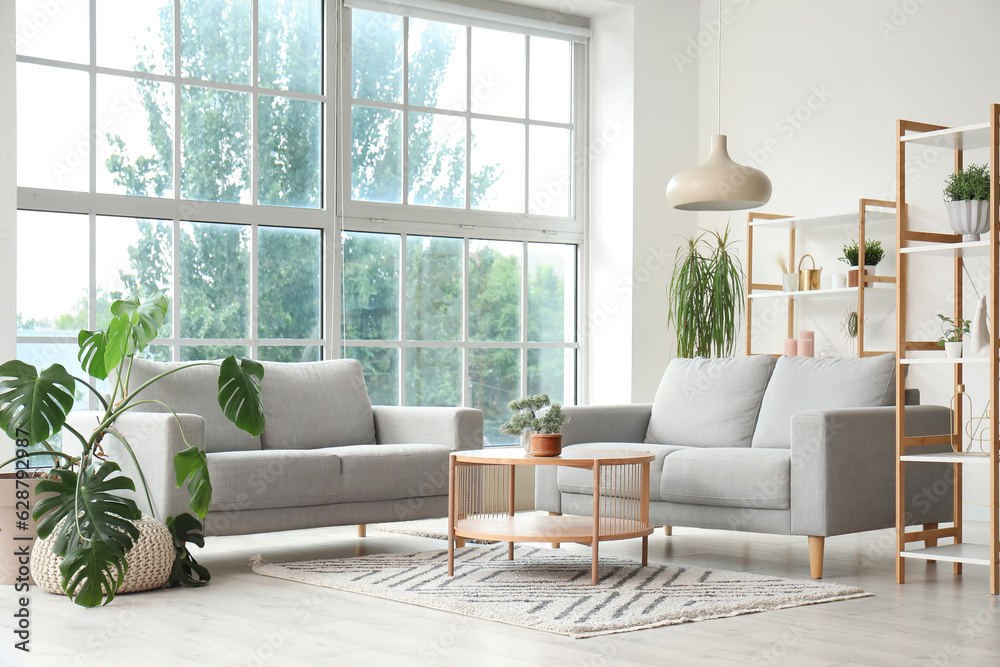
column 645, row 550
column 597, row 523
column 510, row 508
column 451, row 516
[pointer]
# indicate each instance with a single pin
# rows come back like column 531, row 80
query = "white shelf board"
column 840, row 291
column 944, row 360
column 979, row 248
column 946, row 457
column 973, row 554
column 959, row 138
column 874, row 214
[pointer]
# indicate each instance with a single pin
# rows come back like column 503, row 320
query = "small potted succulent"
column 967, row 200
column 541, row 434
column 852, row 255
column 953, row 332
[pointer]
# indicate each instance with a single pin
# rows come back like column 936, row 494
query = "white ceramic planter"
column 970, row 218
column 953, row 350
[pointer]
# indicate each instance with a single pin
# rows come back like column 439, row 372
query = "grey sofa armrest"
column 606, row 423
column 155, row 438
column 457, row 428
column 843, row 472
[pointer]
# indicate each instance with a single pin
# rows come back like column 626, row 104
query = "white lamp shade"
column 719, row 184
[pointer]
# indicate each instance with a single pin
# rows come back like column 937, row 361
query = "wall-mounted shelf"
column 915, row 451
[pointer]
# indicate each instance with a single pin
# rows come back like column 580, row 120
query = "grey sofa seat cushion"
column 316, row 404
column 390, row 472
column 581, row 480
column 709, row 402
column 195, row 391
column 728, row 477
column 801, row 384
column 275, row 479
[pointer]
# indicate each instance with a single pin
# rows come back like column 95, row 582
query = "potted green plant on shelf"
column 541, row 434
column 874, row 253
column 953, row 332
column 705, row 296
column 85, row 506
column 967, row 200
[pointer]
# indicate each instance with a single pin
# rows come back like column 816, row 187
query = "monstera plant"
column 86, row 500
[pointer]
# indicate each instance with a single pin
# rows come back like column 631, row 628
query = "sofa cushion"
column 316, row 404
column 800, row 384
column 275, row 479
column 709, row 402
column 193, row 390
column 581, row 480
column 391, row 472
column 728, row 477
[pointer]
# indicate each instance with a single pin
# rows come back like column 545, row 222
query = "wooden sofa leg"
column 555, row 545
column 362, row 529
column 816, row 544
column 668, row 530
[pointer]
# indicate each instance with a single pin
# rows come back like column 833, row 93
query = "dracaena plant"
column 88, row 503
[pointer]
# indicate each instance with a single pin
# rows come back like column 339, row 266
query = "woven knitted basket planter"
column 149, row 561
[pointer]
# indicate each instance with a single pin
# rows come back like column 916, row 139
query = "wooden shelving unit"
column 869, row 211
column 913, row 245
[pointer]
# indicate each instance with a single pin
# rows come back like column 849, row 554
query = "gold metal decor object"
column 809, row 278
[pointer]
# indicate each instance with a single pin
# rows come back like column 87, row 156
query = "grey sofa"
column 792, row 446
column 326, row 456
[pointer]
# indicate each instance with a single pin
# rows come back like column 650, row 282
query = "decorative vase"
column 970, row 218
column 150, row 559
column 853, row 276
column 526, row 440
column 953, row 350
column 979, row 346
column 546, row 444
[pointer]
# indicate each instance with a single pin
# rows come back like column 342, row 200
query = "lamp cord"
column 719, row 91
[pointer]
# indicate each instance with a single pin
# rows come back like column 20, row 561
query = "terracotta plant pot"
column 546, row 444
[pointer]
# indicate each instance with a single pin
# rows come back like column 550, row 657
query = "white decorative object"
column 838, row 280
column 979, row 346
column 789, row 282
column 953, row 350
column 526, row 440
column 970, row 218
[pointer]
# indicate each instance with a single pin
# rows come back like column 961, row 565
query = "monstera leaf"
column 239, row 393
column 93, row 573
column 186, row 571
column 103, row 515
column 146, row 316
column 95, row 529
column 101, row 352
column 33, row 405
column 193, row 463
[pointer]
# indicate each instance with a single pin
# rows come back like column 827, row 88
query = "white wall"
column 811, row 92
column 643, row 121
column 8, row 200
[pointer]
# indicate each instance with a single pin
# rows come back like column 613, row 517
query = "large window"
column 185, row 152
column 189, row 145
column 451, row 321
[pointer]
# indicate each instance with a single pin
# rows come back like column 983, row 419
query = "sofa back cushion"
column 193, row 390
column 316, row 404
column 800, row 384
column 709, row 402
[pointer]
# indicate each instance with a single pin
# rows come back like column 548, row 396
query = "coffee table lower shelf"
column 538, row 528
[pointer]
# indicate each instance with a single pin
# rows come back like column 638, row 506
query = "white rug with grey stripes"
column 549, row 589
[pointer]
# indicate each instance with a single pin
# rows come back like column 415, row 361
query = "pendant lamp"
column 719, row 183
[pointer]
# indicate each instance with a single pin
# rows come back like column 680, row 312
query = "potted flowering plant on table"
column 87, row 505
column 852, row 256
column 541, row 435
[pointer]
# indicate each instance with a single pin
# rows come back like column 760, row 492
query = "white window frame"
column 176, row 210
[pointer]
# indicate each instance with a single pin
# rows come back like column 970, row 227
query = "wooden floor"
column 246, row 619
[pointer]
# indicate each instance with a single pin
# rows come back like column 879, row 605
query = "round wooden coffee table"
column 481, row 500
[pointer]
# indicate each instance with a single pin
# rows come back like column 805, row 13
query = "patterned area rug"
column 549, row 589
column 436, row 528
